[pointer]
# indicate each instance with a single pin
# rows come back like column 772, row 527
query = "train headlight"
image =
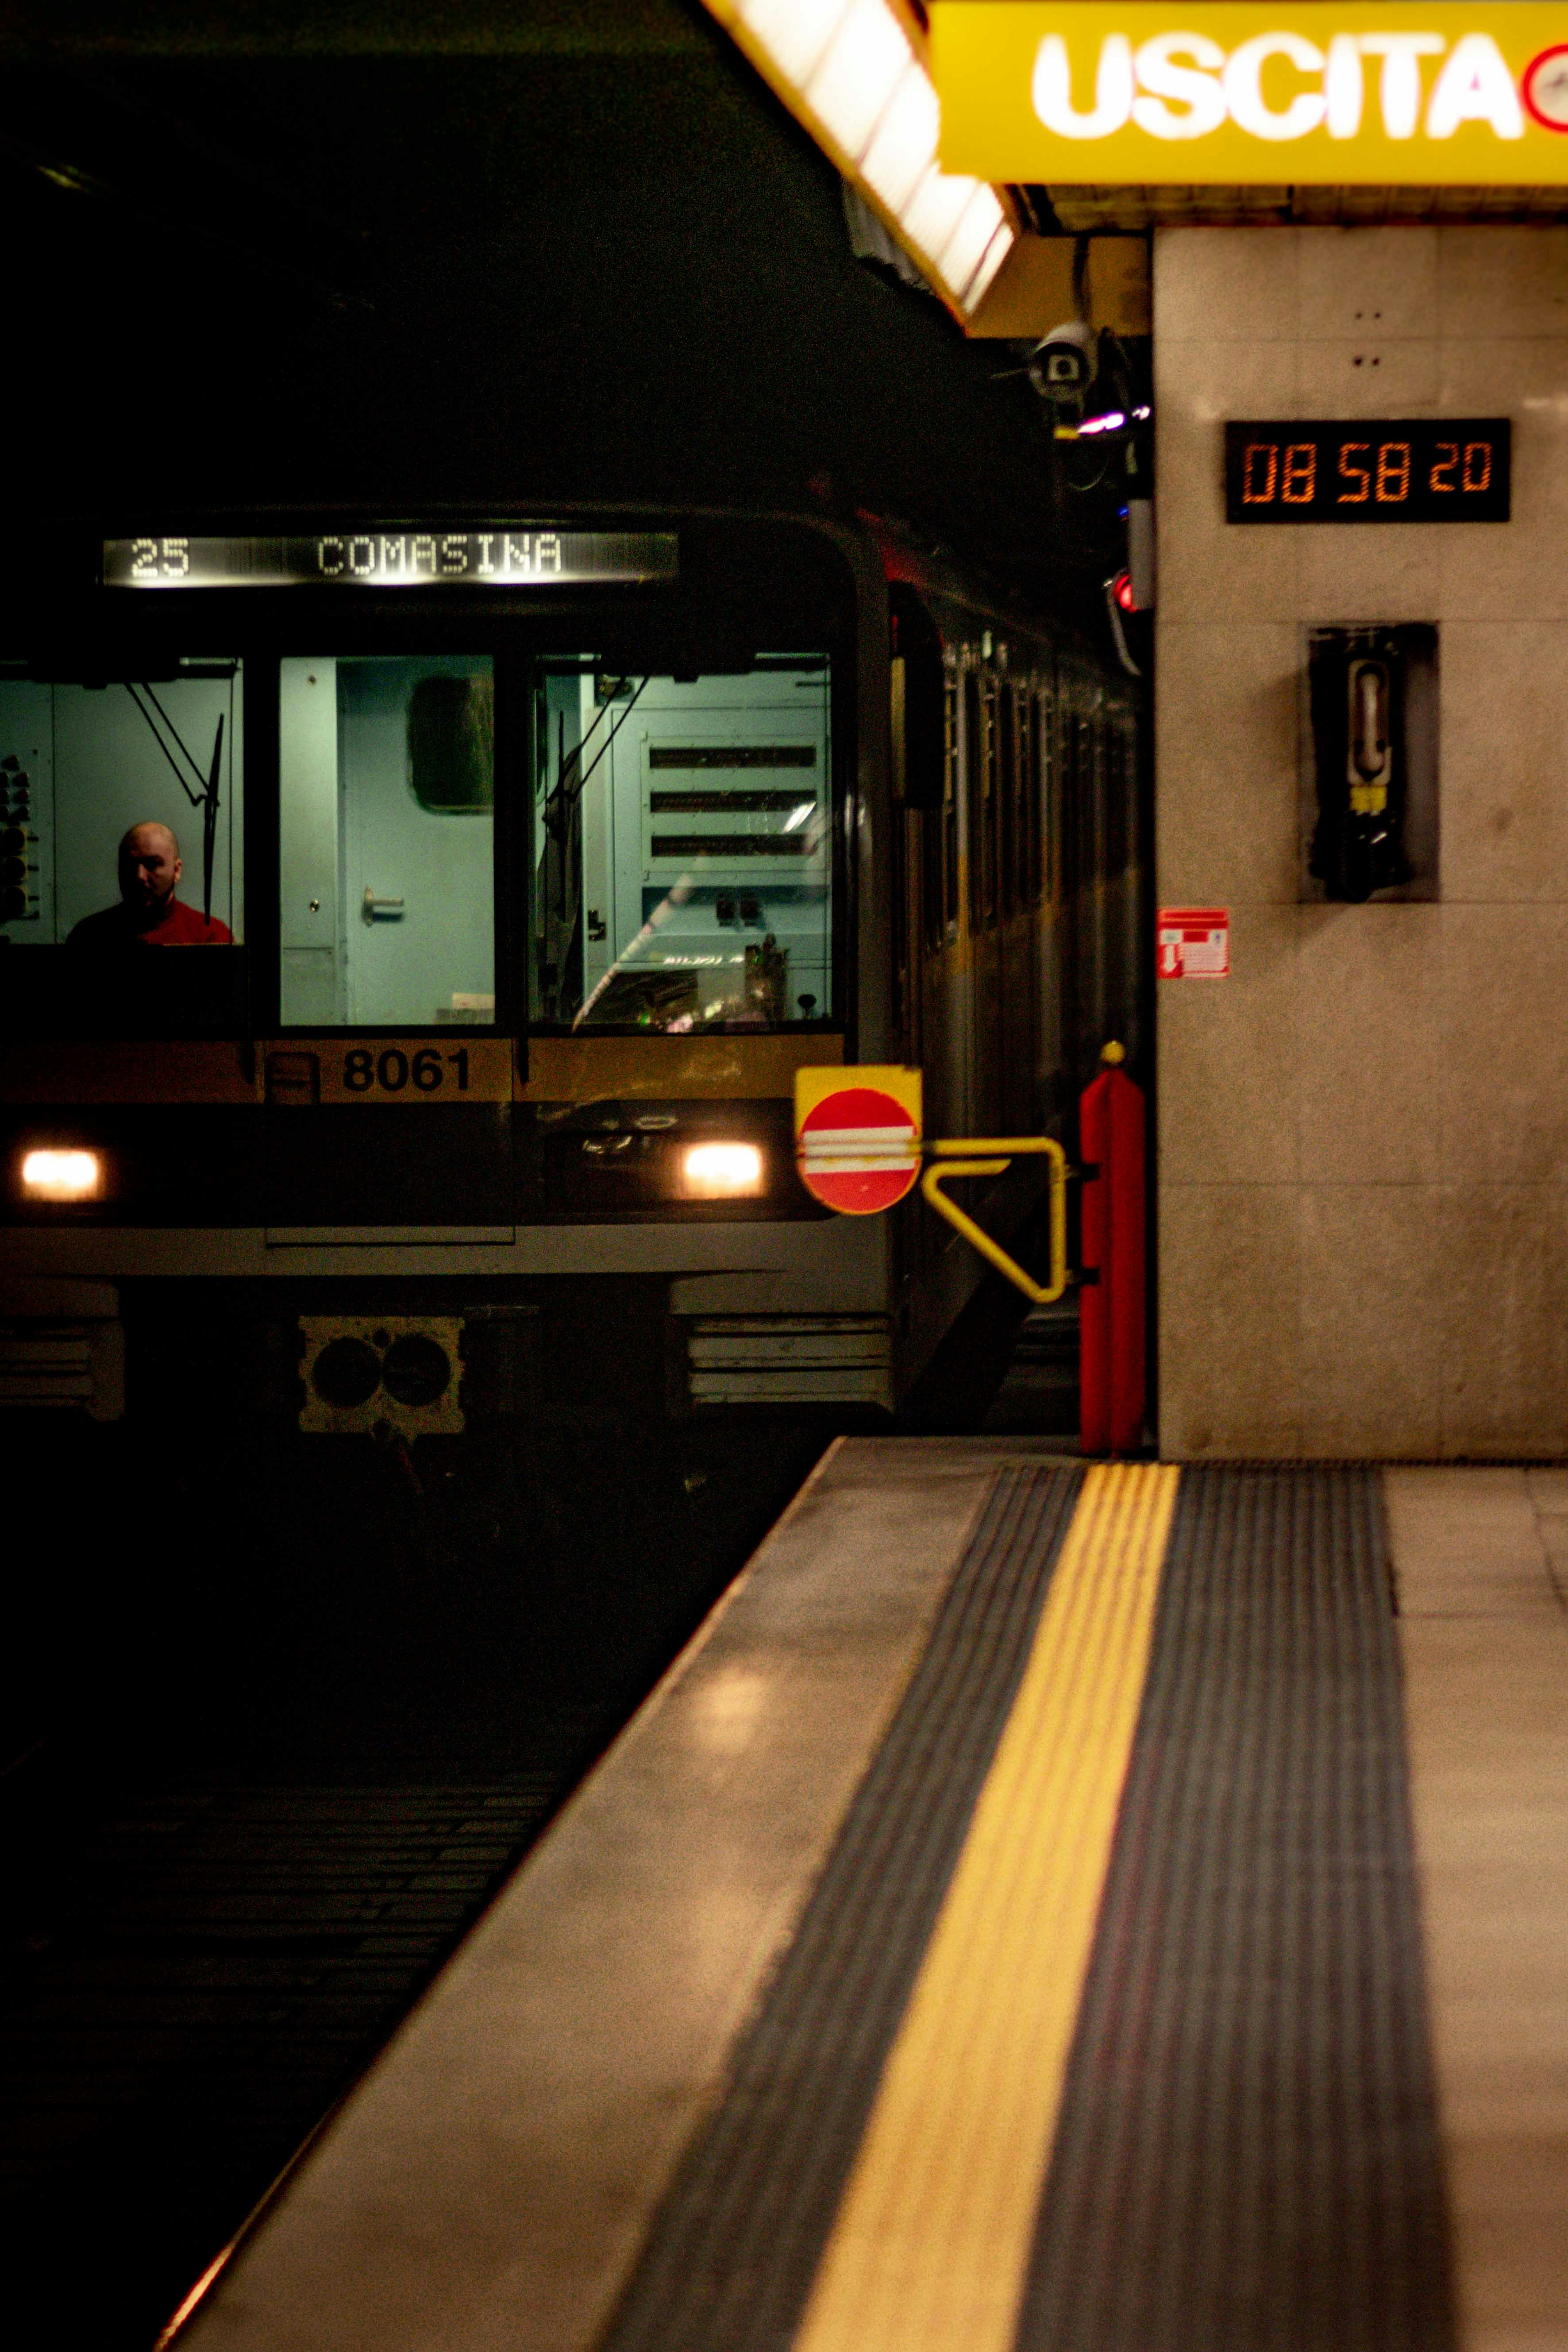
column 720, row 1171
column 63, row 1175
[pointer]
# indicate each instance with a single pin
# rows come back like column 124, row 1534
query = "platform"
column 1095, row 1908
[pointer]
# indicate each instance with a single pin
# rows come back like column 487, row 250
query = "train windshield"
column 683, row 847
column 387, row 792
column 121, row 809
column 121, row 828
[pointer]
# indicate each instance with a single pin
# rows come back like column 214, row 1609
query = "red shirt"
column 179, row 926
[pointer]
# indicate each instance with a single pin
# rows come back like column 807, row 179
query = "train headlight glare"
column 63, row 1175
column 721, row 1172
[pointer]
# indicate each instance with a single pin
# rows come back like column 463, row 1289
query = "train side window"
column 386, row 847
column 950, row 843
column 122, row 826
column 1007, row 783
column 973, row 760
column 683, row 847
column 989, row 812
column 1050, row 818
column 1117, row 833
column 1031, row 786
column 1071, row 787
column 1024, row 706
column 980, row 779
column 933, row 859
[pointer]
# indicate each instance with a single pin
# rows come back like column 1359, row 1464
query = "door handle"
column 381, row 911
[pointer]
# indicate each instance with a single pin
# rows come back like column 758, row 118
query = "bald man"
column 149, row 914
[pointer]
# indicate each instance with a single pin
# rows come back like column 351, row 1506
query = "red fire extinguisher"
column 1111, row 1302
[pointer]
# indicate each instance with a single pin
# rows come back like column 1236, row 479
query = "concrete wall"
column 1364, row 1133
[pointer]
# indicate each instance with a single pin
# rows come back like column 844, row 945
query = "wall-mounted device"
column 1371, row 826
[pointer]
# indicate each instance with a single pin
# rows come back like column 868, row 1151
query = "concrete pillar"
column 1363, row 1132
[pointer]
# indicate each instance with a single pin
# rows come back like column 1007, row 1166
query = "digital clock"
column 1411, row 470
column 495, row 555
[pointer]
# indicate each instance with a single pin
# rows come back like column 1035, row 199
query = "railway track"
column 194, row 1979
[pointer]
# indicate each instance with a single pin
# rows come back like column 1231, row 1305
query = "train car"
column 517, row 863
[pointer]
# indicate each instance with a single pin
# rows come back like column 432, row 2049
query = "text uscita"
column 1281, row 86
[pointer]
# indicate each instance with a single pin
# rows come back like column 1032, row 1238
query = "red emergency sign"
column 1193, row 944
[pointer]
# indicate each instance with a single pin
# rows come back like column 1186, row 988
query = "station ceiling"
column 571, row 248
column 105, row 31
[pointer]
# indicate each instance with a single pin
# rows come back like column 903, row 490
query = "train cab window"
column 386, row 841
column 683, row 847
column 121, row 806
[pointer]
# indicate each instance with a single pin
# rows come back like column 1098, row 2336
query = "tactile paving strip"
column 731, row 2257
column 1246, row 2156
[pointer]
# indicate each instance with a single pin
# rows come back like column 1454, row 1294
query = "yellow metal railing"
column 988, row 1156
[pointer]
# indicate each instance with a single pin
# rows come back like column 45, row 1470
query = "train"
column 523, row 859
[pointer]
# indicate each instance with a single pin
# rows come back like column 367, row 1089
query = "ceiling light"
column 904, row 146
column 991, row 261
column 935, row 209
column 863, row 66
column 977, row 224
column 795, row 33
column 853, row 71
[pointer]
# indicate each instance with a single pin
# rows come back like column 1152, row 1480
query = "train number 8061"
column 427, row 1070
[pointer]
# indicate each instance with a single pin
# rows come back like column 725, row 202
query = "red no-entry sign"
column 857, row 1135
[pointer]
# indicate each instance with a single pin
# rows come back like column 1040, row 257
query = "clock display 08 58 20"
column 1368, row 469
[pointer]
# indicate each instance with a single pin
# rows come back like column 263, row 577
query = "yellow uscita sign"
column 1473, row 95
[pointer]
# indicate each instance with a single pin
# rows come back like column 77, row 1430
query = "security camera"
column 1061, row 369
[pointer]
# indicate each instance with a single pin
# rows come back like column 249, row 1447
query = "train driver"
column 149, row 914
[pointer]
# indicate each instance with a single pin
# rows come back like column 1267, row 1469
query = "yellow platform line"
column 932, row 2234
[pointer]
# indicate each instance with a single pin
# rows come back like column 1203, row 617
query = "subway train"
column 525, row 860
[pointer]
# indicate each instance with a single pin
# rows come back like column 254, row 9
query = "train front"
column 409, row 933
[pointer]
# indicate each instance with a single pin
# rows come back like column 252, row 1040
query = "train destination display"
column 495, row 555
column 1368, row 470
